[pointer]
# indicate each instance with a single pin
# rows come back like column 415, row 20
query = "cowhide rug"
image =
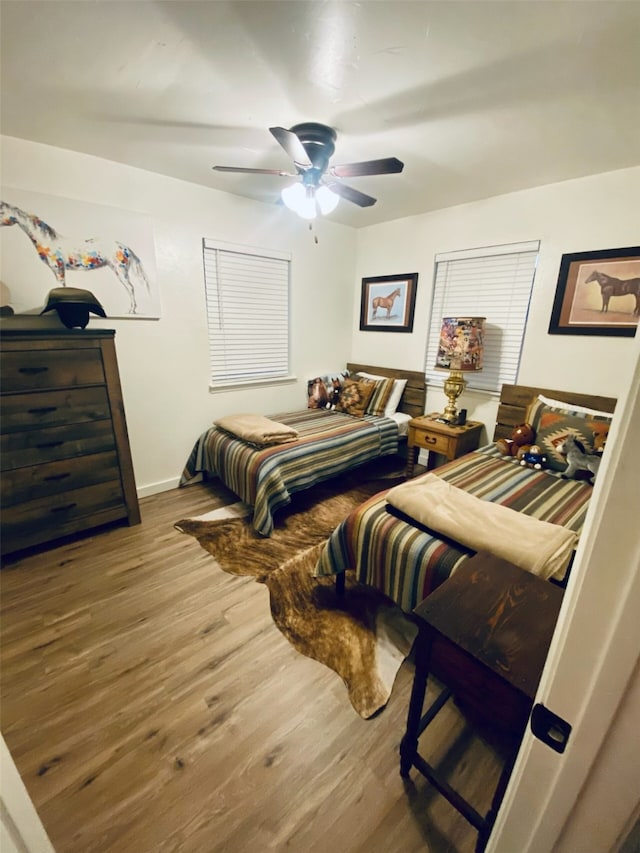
column 363, row 636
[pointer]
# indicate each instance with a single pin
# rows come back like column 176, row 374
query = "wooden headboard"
column 515, row 400
column 415, row 392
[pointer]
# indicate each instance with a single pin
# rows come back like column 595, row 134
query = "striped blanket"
column 329, row 443
column 407, row 562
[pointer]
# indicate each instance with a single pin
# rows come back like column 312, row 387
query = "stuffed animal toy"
column 599, row 439
column 522, row 437
column 578, row 459
column 533, row 458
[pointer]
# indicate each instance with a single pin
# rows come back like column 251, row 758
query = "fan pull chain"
column 315, row 236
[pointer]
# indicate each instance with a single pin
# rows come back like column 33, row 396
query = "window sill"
column 251, row 383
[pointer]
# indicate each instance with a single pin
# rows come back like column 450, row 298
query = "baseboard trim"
column 156, row 488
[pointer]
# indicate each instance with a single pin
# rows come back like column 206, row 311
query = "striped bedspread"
column 329, row 443
column 407, row 562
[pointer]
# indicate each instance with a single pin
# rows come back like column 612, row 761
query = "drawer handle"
column 429, row 440
column 31, row 371
column 63, row 508
column 49, row 444
column 57, row 476
column 43, row 410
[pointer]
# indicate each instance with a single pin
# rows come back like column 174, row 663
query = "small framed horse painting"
column 598, row 293
column 388, row 303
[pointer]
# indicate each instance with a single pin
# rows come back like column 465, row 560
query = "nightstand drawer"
column 431, row 441
column 440, row 439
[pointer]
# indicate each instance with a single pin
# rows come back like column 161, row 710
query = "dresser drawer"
column 37, row 369
column 50, row 408
column 52, row 478
column 49, row 518
column 35, row 446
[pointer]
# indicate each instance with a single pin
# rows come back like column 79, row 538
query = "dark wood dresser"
column 66, row 463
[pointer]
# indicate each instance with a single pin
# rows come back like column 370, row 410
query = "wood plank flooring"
column 151, row 706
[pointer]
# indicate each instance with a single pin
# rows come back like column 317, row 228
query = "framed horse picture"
column 388, row 303
column 598, row 293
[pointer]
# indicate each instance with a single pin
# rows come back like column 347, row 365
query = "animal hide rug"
column 363, row 636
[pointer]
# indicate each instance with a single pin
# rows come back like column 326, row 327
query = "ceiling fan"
column 310, row 146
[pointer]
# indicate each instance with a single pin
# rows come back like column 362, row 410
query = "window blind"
column 493, row 282
column 247, row 299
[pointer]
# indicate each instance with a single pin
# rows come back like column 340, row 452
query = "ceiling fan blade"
column 385, row 166
column 292, row 145
column 254, row 171
column 350, row 194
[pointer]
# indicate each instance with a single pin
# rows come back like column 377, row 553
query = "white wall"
column 598, row 212
column 163, row 363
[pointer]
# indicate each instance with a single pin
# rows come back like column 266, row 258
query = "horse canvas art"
column 615, row 287
column 62, row 254
column 54, row 242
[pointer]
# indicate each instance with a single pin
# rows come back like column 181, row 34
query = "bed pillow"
column 320, row 390
column 381, row 392
column 562, row 404
column 355, row 395
column 552, row 424
column 396, row 394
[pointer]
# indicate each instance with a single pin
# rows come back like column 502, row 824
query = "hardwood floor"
column 151, row 706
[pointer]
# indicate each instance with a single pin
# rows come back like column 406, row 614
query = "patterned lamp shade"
column 461, row 343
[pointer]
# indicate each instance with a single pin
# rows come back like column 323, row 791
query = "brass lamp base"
column 454, row 385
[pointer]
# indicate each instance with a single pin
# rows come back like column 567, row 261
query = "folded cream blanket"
column 257, row 429
column 539, row 547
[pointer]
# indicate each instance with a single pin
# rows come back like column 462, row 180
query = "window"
column 247, row 293
column 494, row 282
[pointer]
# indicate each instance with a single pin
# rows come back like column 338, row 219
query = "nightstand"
column 449, row 440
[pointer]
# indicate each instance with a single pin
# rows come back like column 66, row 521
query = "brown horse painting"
column 610, row 286
column 385, row 302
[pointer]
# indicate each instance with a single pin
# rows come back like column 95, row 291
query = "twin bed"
column 406, row 560
column 329, row 444
column 387, row 549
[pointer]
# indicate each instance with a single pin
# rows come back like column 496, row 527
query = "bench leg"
column 409, row 743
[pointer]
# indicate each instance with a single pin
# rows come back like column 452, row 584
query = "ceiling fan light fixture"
column 307, row 200
column 310, row 145
column 327, row 200
column 300, row 199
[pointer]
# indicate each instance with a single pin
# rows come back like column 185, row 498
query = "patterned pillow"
column 355, row 396
column 396, row 393
column 321, row 390
column 380, row 397
column 552, row 424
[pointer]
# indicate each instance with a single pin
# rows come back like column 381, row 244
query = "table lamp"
column 460, row 348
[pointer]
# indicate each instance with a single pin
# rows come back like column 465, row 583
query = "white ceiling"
column 476, row 98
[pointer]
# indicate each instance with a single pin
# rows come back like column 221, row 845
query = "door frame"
column 592, row 657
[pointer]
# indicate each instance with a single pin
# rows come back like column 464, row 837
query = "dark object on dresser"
column 66, row 462
column 484, row 633
column 73, row 306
